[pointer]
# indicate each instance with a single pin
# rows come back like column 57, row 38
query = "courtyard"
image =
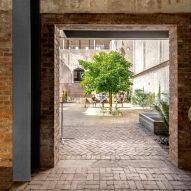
column 41, row 43
column 108, row 153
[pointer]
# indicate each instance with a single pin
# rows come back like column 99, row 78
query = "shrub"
column 163, row 108
column 65, row 97
column 143, row 99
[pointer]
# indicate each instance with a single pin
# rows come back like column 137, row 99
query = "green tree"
column 108, row 72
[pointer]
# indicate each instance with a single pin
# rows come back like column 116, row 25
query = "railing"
column 61, row 122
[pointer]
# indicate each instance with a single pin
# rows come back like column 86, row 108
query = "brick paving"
column 108, row 153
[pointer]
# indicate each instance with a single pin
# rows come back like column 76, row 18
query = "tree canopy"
column 108, row 72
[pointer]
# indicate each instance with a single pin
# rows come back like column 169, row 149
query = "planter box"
column 153, row 122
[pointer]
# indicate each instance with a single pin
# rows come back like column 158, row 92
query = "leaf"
column 107, row 72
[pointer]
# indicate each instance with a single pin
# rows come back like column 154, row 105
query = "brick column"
column 180, row 94
column 184, row 94
column 173, row 85
column 5, row 94
column 47, row 97
column 56, row 94
column 49, row 132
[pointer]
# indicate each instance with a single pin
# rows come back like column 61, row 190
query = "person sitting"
column 102, row 99
column 93, row 100
column 119, row 99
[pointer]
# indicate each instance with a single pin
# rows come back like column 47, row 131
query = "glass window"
column 78, row 74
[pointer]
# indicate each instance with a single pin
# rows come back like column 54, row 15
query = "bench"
column 89, row 101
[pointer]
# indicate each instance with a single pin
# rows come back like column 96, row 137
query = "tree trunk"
column 110, row 101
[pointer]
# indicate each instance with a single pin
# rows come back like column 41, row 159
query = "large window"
column 78, row 74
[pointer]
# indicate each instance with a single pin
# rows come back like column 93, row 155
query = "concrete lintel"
column 119, row 6
column 116, row 34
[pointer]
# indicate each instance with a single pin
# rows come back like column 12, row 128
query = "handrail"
column 61, row 124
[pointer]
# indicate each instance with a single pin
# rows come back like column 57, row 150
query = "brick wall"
column 180, row 73
column 47, row 98
column 56, row 95
column 49, row 132
column 184, row 93
column 5, row 94
column 173, row 89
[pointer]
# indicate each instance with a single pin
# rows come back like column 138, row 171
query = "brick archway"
column 180, row 72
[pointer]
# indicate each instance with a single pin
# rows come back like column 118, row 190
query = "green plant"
column 163, row 108
column 143, row 99
column 108, row 72
column 128, row 95
column 65, row 97
column 159, row 93
column 116, row 112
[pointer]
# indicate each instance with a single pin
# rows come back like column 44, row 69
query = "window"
column 78, row 74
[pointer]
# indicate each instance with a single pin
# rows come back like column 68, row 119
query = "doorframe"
column 173, row 75
column 179, row 88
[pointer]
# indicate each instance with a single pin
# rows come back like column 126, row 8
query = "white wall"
column 149, row 53
column 146, row 54
column 150, row 81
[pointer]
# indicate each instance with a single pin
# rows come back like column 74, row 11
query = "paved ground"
column 108, row 153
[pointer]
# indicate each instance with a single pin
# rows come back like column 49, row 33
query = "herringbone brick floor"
column 109, row 153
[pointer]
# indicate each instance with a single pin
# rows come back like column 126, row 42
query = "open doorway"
column 150, row 67
column 50, row 80
column 138, row 30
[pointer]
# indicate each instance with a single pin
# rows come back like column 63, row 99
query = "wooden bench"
column 89, row 101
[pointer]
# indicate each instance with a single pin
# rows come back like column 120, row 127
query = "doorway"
column 50, row 46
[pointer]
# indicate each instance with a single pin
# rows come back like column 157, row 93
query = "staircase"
column 75, row 91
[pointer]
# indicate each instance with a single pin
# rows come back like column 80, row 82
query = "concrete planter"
column 153, row 122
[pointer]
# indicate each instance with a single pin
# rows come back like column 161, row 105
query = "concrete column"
column 21, row 90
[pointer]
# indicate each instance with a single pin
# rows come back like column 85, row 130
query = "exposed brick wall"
column 49, row 132
column 173, row 89
column 6, row 179
column 5, row 95
column 180, row 73
column 184, row 93
column 47, row 98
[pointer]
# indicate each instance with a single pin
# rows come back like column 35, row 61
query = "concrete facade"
column 154, row 53
column 150, row 59
column 151, row 81
column 115, row 6
column 73, row 51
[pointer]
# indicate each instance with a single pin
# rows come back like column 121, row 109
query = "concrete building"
column 150, row 59
column 70, row 53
